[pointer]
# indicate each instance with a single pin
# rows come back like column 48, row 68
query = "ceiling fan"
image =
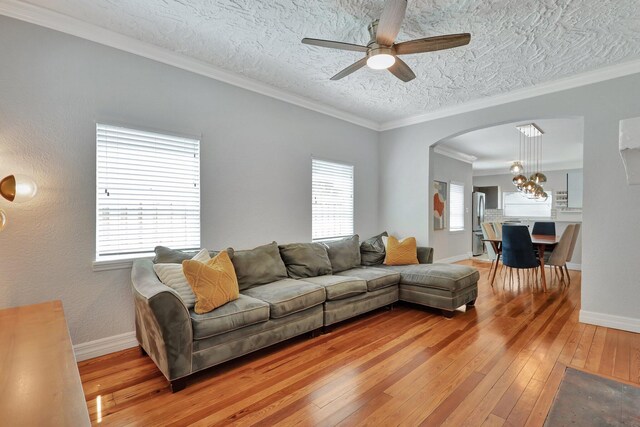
column 382, row 53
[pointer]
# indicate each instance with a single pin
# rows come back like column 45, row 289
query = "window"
column 148, row 192
column 517, row 205
column 332, row 200
column 456, row 207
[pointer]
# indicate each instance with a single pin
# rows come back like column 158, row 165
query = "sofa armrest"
column 425, row 255
column 163, row 324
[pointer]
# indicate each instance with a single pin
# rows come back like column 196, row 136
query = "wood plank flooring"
column 498, row 364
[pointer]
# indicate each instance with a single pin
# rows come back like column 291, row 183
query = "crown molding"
column 577, row 80
column 75, row 27
column 457, row 155
column 56, row 21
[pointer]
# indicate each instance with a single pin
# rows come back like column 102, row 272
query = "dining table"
column 539, row 241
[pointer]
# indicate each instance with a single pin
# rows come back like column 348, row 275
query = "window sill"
column 456, row 231
column 117, row 263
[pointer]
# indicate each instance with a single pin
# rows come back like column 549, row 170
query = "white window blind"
column 456, row 207
column 517, row 205
column 332, row 200
column 148, row 191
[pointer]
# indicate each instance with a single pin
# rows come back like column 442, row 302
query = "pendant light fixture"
column 517, row 168
column 528, row 177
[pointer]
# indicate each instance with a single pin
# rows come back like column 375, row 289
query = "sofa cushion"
column 400, row 252
column 339, row 287
column 305, row 259
column 288, row 296
column 234, row 315
column 376, row 278
column 174, row 256
column 451, row 277
column 258, row 266
column 173, row 276
column 344, row 253
column 372, row 250
column 214, row 282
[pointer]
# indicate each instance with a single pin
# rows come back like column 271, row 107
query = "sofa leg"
column 471, row 303
column 143, row 352
column 315, row 333
column 389, row 307
column 177, row 385
column 447, row 313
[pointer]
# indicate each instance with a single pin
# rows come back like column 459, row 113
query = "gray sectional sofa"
column 285, row 291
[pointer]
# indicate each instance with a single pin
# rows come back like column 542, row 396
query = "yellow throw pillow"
column 214, row 282
column 403, row 252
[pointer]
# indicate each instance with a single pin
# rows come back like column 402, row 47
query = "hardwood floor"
column 498, row 364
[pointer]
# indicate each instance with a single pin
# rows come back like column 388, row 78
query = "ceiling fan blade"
column 350, row 69
column 335, row 45
column 430, row 44
column 390, row 21
column 402, row 71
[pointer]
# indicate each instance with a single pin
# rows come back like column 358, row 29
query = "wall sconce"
column 18, row 189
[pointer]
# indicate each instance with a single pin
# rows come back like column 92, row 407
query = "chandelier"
column 528, row 177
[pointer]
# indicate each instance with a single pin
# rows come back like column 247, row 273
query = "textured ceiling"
column 497, row 147
column 515, row 44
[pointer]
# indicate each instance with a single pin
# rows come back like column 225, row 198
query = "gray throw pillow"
column 344, row 254
column 372, row 250
column 305, row 259
column 258, row 266
column 166, row 255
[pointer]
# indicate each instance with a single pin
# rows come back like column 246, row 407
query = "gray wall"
column 255, row 167
column 610, row 208
column 445, row 243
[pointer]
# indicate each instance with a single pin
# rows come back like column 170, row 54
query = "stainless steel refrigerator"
column 477, row 211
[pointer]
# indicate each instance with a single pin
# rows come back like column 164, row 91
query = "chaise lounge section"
column 285, row 291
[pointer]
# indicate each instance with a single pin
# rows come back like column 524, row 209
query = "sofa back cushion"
column 166, row 255
column 344, row 254
column 372, row 250
column 258, row 266
column 305, row 259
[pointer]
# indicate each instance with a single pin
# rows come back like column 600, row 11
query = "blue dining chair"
column 517, row 250
column 546, row 228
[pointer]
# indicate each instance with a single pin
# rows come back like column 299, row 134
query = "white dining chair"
column 489, row 233
column 558, row 257
column 574, row 239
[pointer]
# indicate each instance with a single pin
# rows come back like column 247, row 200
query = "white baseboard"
column 455, row 258
column 91, row 349
column 574, row 266
column 610, row 321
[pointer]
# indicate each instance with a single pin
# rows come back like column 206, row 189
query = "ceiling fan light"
column 381, row 61
column 18, row 188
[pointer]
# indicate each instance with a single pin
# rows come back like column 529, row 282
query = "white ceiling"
column 497, row 147
column 515, row 44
